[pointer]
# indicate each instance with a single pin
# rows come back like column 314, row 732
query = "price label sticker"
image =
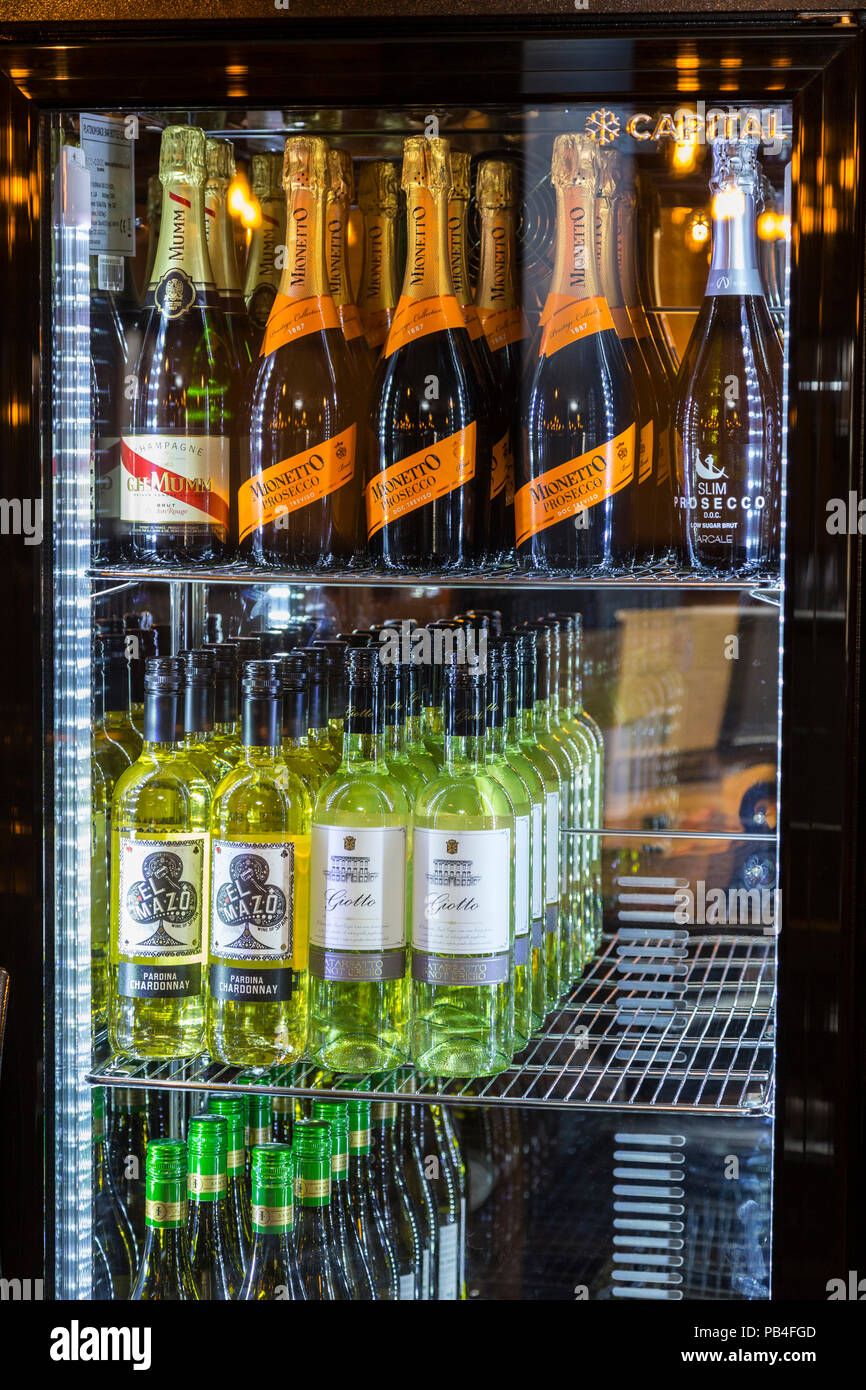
column 109, row 156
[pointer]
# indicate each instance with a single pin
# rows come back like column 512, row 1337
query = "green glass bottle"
column 272, row 1274
column 402, row 1221
column 416, row 749
column 463, row 904
column 586, row 722
column 110, row 756
column 319, row 730
column 260, row 830
column 421, row 1190
column 365, row 1205
column 443, row 1177
column 582, row 736
column 127, row 1149
column 338, row 690
column 111, row 668
column 546, row 983
column 159, row 849
column 211, row 1248
column 225, row 740
column 199, row 707
column 394, row 752
column 518, row 794
column 360, row 876
column 165, row 1273
column 343, row 1227
column 239, row 1221
column 298, row 754
column 111, row 1224
column 319, row 1265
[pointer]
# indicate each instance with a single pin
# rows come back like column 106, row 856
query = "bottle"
column 220, row 235
column 649, row 242
column 421, row 1191
column 365, row 1206
column 299, row 499
column 343, row 1226
column 608, row 228
column 141, row 640
column 432, row 712
column 546, row 964
column 110, row 350
column 518, row 794
column 296, row 752
column 111, row 1223
column 260, row 1121
column 575, row 847
column 111, row 755
column 225, row 741
column 443, row 1115
column 319, row 730
column 394, row 751
column 402, row 1222
column 438, row 1161
column 341, row 193
column 337, row 690
column 259, row 893
column 416, row 749
column 165, row 1274
column 501, row 317
column 159, row 849
column 379, row 290
column 262, row 276
column 100, row 868
column 421, row 495
column 175, row 482
column 153, row 222
column 463, row 903
column 319, row 1266
column 211, row 1248
column 127, row 1152
column 585, row 721
column 238, row 1206
column 111, row 666
column 283, row 1119
column 199, row 709
column 573, row 508
column 272, row 1273
column 361, row 877
column 727, row 440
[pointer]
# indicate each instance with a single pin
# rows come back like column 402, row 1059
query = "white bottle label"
column 252, row 920
column 551, row 859
column 462, row 906
column 521, row 876
column 448, row 1263
column 537, row 860
column 171, row 479
column 162, row 898
column 407, row 1287
column 358, row 903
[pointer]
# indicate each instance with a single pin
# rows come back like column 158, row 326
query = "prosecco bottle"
column 175, row 493
column 165, row 1273
column 727, row 412
column 221, row 251
column 299, row 501
column 573, row 509
column 262, row 275
column 341, row 193
column 421, row 495
column 379, row 289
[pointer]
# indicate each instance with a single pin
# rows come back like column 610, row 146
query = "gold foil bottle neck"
column 220, row 161
column 574, row 163
column 182, row 152
column 428, row 163
column 265, row 173
column 460, row 185
column 494, row 184
column 377, row 187
column 305, row 164
column 341, row 180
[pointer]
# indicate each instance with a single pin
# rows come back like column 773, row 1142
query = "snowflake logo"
column 602, row 126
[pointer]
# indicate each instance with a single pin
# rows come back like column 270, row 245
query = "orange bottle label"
column 296, row 482
column 290, row 319
column 502, row 326
column 414, row 318
column 503, row 468
column 350, row 318
column 572, row 487
column 421, row 478
column 564, row 320
column 472, row 321
column 645, row 455
column 377, row 322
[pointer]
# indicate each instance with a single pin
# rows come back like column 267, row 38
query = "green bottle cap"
column 359, row 1126
column 312, row 1148
column 272, row 1183
column 261, row 1120
column 336, row 1113
column 165, row 1185
column 208, row 1148
column 232, row 1107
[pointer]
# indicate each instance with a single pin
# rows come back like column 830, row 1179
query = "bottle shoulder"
column 463, row 795
column 364, row 790
column 173, row 774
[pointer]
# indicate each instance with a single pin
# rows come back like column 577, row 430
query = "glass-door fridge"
column 432, row 450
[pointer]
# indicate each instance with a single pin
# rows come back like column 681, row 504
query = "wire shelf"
column 687, row 1026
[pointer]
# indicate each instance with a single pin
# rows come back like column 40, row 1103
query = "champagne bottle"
column 422, row 497
column 175, row 482
column 299, row 499
column 365, row 1206
column 573, row 509
column 165, row 1273
column 501, row 316
column 153, row 221
column 238, row 1207
column 421, row 1191
column 319, row 730
column 211, row 1248
column 380, row 286
column 297, row 753
column 159, row 849
column 111, row 1223
column 648, row 240
column 127, row 1151
column 319, row 1265
column 341, row 193
column 262, row 275
column 260, row 833
column 463, row 907
column 199, row 710
column 402, row 1221
column 361, row 877
column 220, row 236
column 727, row 411
column 343, row 1226
column 272, row 1273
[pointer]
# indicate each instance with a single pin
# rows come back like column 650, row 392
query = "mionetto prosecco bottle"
column 221, row 251
column 176, row 487
column 422, row 499
column 272, row 1273
column 299, row 498
column 262, row 275
column 380, row 286
column 728, row 393
column 260, row 828
column 159, row 853
column 573, row 510
column 165, row 1274
column 463, row 901
column 341, row 191
column 211, row 1248
column 360, row 877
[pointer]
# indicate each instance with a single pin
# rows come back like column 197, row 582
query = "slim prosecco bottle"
column 379, row 290
column 165, row 1274
column 260, row 828
column 463, row 901
column 262, row 275
column 360, row 887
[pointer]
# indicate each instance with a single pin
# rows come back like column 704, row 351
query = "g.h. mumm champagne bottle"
column 727, row 413
column 573, row 510
column 341, row 191
column 176, row 488
column 379, row 290
column 299, row 500
column 262, row 275
column 221, row 250
column 423, row 506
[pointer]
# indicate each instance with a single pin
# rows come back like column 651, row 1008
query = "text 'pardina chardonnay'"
column 379, row 290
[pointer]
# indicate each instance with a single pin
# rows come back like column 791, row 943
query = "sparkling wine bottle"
column 379, row 290
column 222, row 253
column 262, row 274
